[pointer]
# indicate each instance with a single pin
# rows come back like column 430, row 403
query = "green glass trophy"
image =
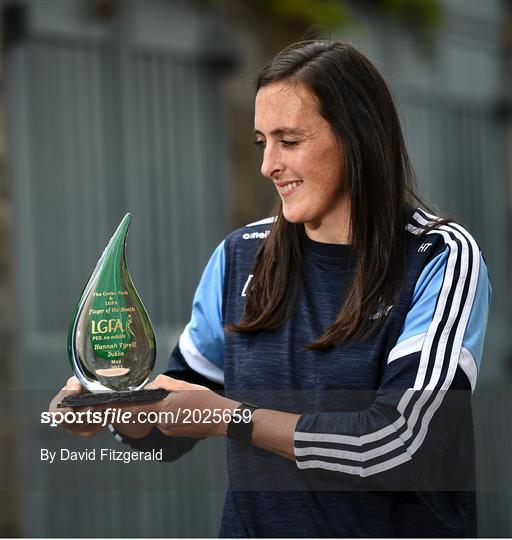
column 111, row 342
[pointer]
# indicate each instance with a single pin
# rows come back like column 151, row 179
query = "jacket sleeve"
column 197, row 358
column 426, row 385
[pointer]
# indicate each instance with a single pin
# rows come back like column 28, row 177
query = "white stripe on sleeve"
column 197, row 361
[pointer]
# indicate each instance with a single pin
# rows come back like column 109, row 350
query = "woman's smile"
column 287, row 187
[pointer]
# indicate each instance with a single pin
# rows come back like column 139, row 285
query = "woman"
column 348, row 329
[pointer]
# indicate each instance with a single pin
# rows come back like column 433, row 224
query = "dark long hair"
column 355, row 100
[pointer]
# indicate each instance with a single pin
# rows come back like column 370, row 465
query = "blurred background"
column 109, row 106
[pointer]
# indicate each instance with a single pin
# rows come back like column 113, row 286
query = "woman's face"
column 302, row 157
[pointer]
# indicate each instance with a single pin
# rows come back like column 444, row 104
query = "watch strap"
column 239, row 429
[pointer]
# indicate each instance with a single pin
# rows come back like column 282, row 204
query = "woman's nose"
column 271, row 165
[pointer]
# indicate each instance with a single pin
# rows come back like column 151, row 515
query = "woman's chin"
column 292, row 217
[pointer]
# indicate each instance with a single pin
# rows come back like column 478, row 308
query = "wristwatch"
column 239, row 429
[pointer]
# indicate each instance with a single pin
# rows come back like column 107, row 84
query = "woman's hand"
column 189, row 410
column 272, row 430
column 192, row 410
column 83, row 428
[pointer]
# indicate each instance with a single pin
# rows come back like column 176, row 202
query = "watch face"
column 240, row 426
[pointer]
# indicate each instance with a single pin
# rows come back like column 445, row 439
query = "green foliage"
column 426, row 14
column 422, row 17
column 328, row 13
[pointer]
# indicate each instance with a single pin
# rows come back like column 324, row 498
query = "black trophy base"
column 108, row 398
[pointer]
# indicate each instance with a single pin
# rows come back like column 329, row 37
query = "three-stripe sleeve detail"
column 441, row 348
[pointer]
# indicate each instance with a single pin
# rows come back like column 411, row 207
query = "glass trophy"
column 111, row 342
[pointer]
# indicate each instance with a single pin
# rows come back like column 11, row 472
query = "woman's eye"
column 284, row 142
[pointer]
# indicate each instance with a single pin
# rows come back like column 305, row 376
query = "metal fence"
column 95, row 131
column 458, row 149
